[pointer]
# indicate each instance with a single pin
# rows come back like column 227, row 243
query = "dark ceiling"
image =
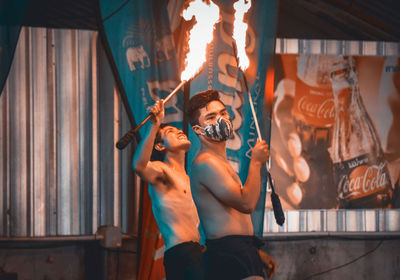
column 376, row 20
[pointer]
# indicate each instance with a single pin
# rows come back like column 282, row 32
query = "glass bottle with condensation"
column 313, row 113
column 360, row 169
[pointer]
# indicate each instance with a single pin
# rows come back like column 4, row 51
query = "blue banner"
column 220, row 72
column 139, row 37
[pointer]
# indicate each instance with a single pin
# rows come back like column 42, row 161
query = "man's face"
column 174, row 139
column 211, row 113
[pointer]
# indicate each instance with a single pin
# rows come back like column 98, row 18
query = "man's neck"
column 217, row 148
column 176, row 159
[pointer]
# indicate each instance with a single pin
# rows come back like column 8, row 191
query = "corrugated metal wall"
column 341, row 221
column 60, row 173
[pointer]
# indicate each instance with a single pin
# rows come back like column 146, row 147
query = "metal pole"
column 276, row 203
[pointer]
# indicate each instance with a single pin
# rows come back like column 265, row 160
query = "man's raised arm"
column 141, row 161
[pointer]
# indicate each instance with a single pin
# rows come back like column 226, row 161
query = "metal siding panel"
column 267, row 221
column 95, row 135
column 369, row 48
column 68, row 132
column 370, row 220
column 331, row 220
column 314, row 220
column 291, row 46
column 336, row 47
column 76, row 77
column 135, row 202
column 64, row 139
column 55, row 146
column 303, row 220
column 4, row 163
column 391, row 48
column 352, row 47
column 106, row 144
column 381, row 220
column 293, row 221
column 279, row 45
column 51, row 123
column 380, row 48
column 30, row 138
column 332, row 47
column 341, row 220
column 128, row 186
column 316, row 46
column 39, row 134
column 354, row 220
column 19, row 151
column 85, row 129
column 393, row 220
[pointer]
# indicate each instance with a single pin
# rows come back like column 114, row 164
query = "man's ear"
column 197, row 129
column 159, row 147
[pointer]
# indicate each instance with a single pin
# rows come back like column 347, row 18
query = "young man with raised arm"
column 223, row 204
column 170, row 193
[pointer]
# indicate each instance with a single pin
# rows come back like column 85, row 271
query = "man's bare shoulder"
column 206, row 168
column 205, row 159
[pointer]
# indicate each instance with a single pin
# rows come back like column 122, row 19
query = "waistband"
column 182, row 246
column 228, row 240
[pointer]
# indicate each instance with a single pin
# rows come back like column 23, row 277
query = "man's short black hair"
column 156, row 154
column 158, row 135
column 198, row 101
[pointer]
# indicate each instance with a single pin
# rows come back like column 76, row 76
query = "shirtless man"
column 172, row 203
column 224, row 206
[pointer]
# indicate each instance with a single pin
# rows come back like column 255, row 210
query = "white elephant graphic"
column 137, row 54
column 164, row 46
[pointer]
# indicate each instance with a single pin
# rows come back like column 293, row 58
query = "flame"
column 207, row 15
column 239, row 32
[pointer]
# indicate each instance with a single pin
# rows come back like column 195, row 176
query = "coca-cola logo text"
column 321, row 110
column 363, row 181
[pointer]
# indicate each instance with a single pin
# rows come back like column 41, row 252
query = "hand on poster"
column 288, row 153
column 303, row 114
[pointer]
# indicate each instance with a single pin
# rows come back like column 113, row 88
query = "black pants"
column 233, row 257
column 184, row 262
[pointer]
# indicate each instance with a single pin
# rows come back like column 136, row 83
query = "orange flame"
column 239, row 32
column 207, row 15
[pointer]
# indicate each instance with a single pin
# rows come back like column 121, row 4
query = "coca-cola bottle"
column 313, row 112
column 360, row 169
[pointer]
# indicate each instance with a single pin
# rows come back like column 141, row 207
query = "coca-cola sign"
column 364, row 180
column 321, row 110
column 314, row 105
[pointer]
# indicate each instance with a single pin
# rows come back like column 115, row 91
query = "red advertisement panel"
column 335, row 137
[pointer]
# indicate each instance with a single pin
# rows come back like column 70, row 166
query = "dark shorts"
column 233, row 257
column 184, row 262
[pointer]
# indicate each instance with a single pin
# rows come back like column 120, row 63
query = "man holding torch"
column 169, row 190
column 223, row 204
